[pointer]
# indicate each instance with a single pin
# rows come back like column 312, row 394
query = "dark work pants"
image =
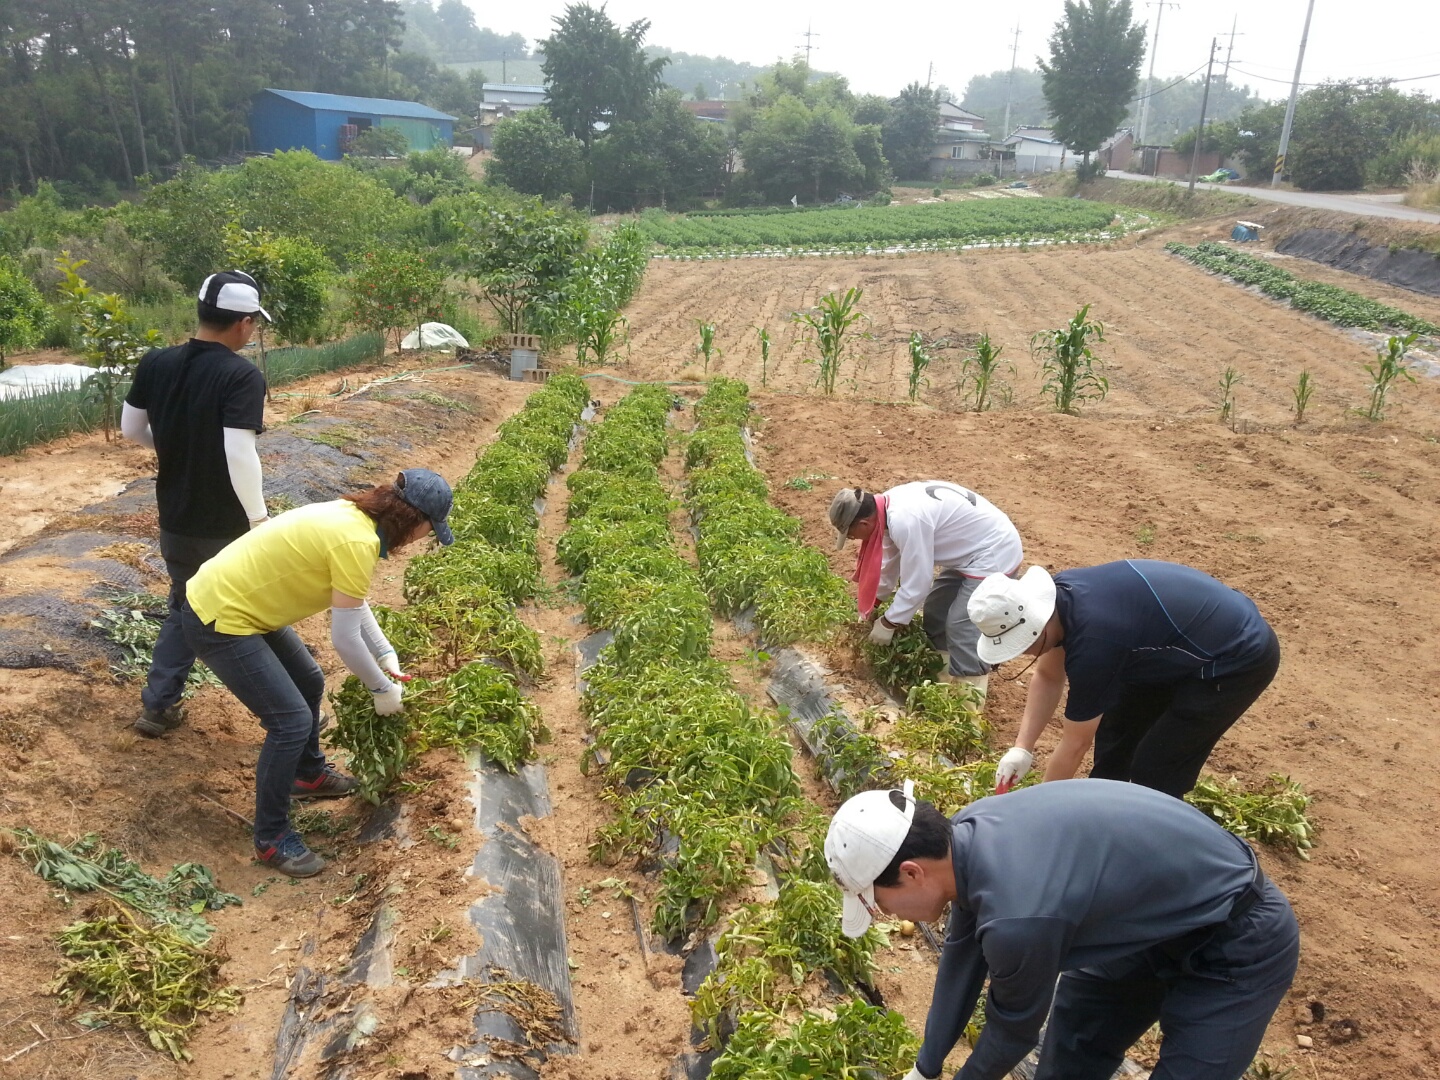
column 1160, row 736
column 173, row 658
column 1212, row 1003
column 277, row 679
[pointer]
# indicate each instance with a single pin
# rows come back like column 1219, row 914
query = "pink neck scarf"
column 867, row 563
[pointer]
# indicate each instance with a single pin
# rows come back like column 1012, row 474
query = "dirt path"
column 1335, row 536
column 1171, row 330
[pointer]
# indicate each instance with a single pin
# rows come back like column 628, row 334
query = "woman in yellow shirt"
column 237, row 614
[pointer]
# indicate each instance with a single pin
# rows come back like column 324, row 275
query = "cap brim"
column 854, row 918
column 266, row 314
column 840, row 539
column 442, row 533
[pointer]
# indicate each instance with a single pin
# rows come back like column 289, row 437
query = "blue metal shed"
column 324, row 123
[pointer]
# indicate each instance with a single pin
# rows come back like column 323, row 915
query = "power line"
column 1357, row 79
column 1162, row 89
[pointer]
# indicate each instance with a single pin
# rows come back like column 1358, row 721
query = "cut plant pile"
column 140, row 955
column 459, row 630
column 931, row 227
column 701, row 782
column 1340, row 306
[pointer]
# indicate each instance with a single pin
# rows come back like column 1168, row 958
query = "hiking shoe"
column 330, row 784
column 290, row 856
column 153, row 724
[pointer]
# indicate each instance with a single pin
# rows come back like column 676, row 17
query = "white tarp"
column 434, row 335
column 38, row 378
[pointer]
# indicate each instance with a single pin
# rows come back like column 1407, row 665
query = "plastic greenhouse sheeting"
column 434, row 335
column 38, row 378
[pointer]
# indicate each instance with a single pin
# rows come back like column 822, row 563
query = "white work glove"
column 259, row 521
column 1012, row 768
column 916, row 1074
column 881, row 634
column 390, row 663
column 389, row 701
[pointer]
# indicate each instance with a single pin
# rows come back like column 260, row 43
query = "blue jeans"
column 174, row 658
column 277, row 679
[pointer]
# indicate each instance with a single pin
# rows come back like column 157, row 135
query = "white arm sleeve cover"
column 244, row 462
column 135, row 426
column 347, row 635
column 373, row 636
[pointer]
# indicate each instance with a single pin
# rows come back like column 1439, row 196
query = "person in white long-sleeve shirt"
column 932, row 523
column 200, row 406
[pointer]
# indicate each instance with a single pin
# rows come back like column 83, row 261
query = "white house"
column 500, row 101
column 1037, row 150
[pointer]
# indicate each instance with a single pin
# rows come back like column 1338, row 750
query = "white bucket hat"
column 1011, row 614
column 864, row 836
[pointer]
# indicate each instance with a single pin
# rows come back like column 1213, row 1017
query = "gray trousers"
column 173, row 657
column 1213, row 993
column 947, row 622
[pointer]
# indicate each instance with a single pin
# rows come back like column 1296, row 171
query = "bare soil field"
column 1170, row 328
column 1333, row 528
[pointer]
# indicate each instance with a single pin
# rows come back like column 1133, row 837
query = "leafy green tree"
column 111, row 340
column 380, row 142
column 394, row 291
column 23, row 314
column 1095, row 54
column 520, row 253
column 292, row 273
column 597, row 72
column 534, row 155
column 667, row 158
column 908, row 136
column 792, row 149
column 985, row 95
column 1329, row 147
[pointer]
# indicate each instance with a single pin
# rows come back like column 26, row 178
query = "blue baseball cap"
column 430, row 494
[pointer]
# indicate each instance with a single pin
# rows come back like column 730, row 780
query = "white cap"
column 233, row 290
column 864, row 836
column 1011, row 614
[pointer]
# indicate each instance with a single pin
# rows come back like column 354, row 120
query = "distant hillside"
column 515, row 71
column 718, row 77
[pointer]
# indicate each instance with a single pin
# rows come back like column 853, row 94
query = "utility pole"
column 1010, row 83
column 1204, row 104
column 1160, row 6
column 1231, row 50
column 503, row 56
column 808, row 46
column 1290, row 109
column 929, row 74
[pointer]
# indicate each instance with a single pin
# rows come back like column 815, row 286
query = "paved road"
column 1366, row 205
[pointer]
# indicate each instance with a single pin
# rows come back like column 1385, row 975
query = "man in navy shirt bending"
column 1161, row 659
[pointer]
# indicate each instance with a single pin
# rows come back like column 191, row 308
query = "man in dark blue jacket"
column 1142, row 907
column 1161, row 660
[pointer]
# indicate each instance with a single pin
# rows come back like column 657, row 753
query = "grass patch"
column 296, row 362
column 38, row 416
column 338, row 436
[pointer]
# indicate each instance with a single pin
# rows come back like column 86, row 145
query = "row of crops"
column 458, row 631
column 1340, row 306
column 699, row 777
column 931, row 226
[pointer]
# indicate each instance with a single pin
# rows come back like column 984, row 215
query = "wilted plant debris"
column 1273, row 813
column 150, row 977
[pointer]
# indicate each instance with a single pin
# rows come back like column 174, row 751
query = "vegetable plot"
column 944, row 225
column 1340, row 306
column 459, row 630
column 702, row 783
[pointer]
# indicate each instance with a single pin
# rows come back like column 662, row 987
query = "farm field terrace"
column 950, row 224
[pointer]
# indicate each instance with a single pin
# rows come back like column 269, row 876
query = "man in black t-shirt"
column 199, row 406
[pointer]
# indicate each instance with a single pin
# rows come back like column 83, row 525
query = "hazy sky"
column 880, row 48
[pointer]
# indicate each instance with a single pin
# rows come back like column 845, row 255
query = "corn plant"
column 764, row 335
column 979, row 371
column 1388, row 366
column 1304, row 387
column 1229, row 379
column 830, row 324
column 1072, row 370
column 707, row 347
column 920, row 359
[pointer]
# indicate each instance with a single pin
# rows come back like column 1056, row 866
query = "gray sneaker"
column 153, row 724
column 290, row 856
column 330, row 784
